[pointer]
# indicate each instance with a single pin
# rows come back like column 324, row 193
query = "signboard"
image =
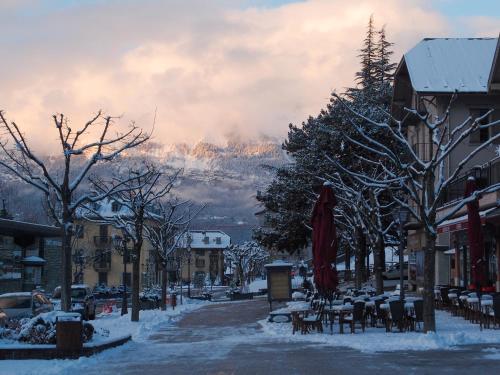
column 279, row 282
column 279, row 285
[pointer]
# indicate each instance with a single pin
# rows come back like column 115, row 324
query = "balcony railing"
column 485, row 175
column 102, row 266
column 103, row 241
column 423, row 150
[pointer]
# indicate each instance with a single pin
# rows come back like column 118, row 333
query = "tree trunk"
column 164, row 279
column 347, row 256
column 378, row 263
column 66, row 272
column 429, row 282
column 360, row 258
column 136, row 273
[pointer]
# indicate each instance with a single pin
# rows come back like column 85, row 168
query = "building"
column 30, row 256
column 426, row 78
column 98, row 251
column 202, row 255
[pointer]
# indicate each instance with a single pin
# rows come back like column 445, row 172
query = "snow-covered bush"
column 39, row 330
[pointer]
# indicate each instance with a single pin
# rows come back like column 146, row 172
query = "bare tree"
column 60, row 185
column 168, row 222
column 419, row 180
column 140, row 188
column 246, row 259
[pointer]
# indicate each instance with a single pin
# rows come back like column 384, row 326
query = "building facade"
column 201, row 255
column 30, row 256
column 427, row 78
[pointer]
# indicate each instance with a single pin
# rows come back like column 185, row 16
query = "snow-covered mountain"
column 225, row 177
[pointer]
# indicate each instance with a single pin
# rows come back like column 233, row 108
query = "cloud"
column 208, row 68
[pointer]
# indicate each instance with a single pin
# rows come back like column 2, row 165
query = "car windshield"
column 78, row 293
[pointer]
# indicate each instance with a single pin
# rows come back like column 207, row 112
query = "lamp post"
column 401, row 217
column 121, row 245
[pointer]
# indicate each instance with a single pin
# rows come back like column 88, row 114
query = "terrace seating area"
column 356, row 310
column 478, row 308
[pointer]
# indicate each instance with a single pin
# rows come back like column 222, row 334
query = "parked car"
column 393, row 272
column 82, row 300
column 23, row 305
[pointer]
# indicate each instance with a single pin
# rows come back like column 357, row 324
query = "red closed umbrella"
column 324, row 243
column 475, row 237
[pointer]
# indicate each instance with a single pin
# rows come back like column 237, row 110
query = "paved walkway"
column 225, row 339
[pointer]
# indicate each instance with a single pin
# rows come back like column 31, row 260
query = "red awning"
column 461, row 223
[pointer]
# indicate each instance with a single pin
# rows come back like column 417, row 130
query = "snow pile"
column 452, row 331
column 114, row 325
column 39, row 330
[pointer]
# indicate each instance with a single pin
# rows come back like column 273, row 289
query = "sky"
column 207, row 70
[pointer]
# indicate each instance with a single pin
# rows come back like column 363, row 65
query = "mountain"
column 226, row 178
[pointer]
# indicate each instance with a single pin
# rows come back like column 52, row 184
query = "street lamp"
column 121, row 245
column 401, row 216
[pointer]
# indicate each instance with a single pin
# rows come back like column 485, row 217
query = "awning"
column 33, row 261
column 461, row 222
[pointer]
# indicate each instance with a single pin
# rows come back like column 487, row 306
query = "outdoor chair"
column 495, row 311
column 357, row 316
column 445, row 300
column 315, row 321
column 417, row 316
column 379, row 314
column 397, row 316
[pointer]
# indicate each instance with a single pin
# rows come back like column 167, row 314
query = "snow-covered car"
column 23, row 305
column 82, row 300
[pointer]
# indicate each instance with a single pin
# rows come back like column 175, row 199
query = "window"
column 200, row 262
column 103, row 278
column 482, row 135
column 115, row 206
column 200, row 253
column 103, row 230
column 206, row 240
column 218, row 240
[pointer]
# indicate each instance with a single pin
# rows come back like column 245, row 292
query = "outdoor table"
column 463, row 298
column 370, row 304
column 452, row 295
column 339, row 310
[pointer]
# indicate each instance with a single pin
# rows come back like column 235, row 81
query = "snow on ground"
column 119, row 326
column 452, row 331
column 492, row 353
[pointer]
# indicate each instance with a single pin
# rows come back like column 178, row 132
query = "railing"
column 102, row 265
column 485, row 175
column 423, row 150
column 103, row 241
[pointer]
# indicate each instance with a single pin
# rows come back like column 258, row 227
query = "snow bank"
column 114, row 325
column 452, row 331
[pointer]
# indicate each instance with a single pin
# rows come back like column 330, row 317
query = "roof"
column 20, row 228
column 205, row 239
column 451, row 64
column 34, row 260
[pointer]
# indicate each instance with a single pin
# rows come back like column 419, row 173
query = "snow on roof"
column 451, row 64
column 16, row 294
column 278, row 263
column 34, row 260
column 205, row 239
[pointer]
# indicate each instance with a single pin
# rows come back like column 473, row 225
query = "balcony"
column 102, row 265
column 485, row 175
column 424, row 151
column 103, row 241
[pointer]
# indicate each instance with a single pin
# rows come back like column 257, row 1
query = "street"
column 225, row 339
